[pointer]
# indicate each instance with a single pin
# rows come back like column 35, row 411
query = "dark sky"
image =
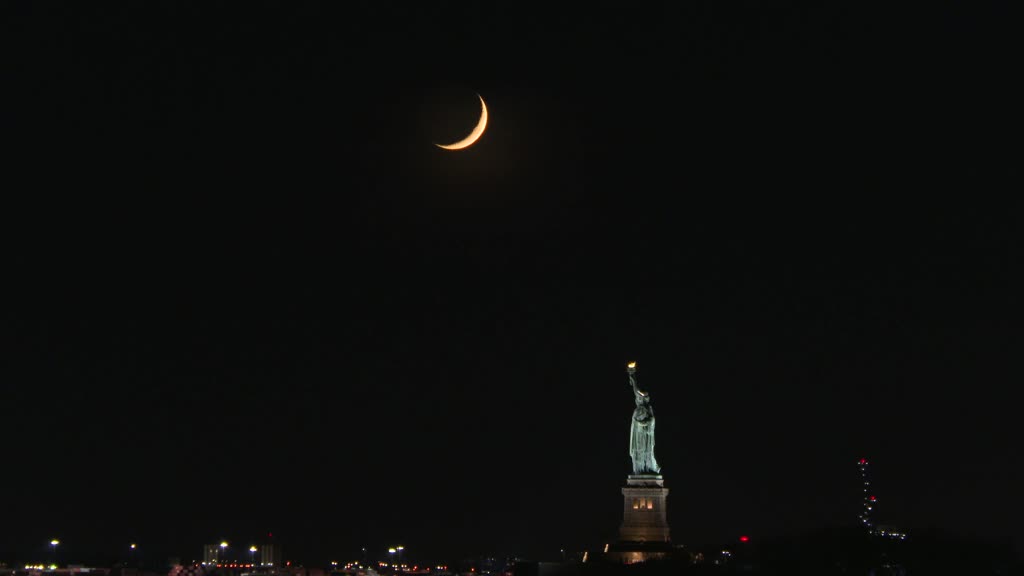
column 246, row 294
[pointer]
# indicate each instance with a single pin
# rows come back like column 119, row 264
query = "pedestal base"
column 645, row 510
column 636, row 552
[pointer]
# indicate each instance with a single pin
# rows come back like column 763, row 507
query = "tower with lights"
column 867, row 499
column 868, row 503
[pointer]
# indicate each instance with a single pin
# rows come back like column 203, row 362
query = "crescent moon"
column 474, row 135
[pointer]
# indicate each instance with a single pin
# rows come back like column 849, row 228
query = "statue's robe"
column 641, row 441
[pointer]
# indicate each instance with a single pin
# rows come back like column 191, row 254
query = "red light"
column 863, row 461
column 872, row 498
column 744, row 539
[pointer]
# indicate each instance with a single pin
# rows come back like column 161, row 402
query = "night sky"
column 246, row 294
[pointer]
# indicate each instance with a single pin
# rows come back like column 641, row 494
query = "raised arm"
column 631, row 370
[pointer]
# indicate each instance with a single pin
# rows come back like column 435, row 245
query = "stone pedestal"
column 644, row 534
column 645, row 509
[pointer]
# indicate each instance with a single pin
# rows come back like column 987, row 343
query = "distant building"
column 211, row 554
column 890, row 531
column 270, row 555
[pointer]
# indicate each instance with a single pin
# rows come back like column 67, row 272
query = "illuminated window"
column 643, row 503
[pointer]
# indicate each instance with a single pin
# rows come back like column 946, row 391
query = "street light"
column 132, row 553
column 223, row 551
column 53, row 545
column 252, row 555
column 392, row 552
column 399, row 548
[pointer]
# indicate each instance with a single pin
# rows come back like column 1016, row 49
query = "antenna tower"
column 867, row 500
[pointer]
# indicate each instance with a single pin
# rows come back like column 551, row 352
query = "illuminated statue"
column 641, row 433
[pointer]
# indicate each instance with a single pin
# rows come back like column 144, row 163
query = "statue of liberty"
column 641, row 433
